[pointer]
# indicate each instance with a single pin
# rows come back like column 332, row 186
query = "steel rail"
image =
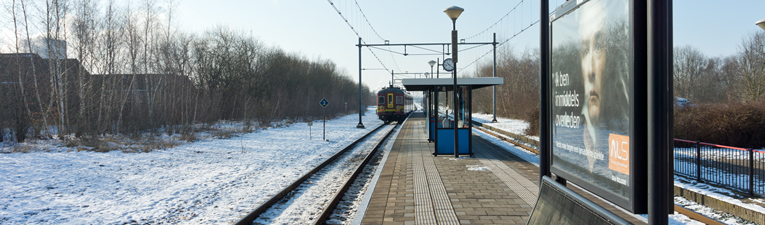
column 339, row 196
column 696, row 216
column 247, row 220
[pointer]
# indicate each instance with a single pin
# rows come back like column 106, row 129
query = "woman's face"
column 593, row 60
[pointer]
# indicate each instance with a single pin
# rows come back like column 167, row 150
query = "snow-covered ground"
column 206, row 182
column 515, row 125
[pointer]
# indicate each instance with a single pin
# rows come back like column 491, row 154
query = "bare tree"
column 84, row 28
column 689, row 66
column 750, row 70
column 34, row 73
column 55, row 17
column 142, row 67
column 22, row 122
column 133, row 41
column 149, row 9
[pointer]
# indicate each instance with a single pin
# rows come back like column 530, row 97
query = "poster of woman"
column 590, row 87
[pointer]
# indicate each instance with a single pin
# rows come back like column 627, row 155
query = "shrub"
column 733, row 125
column 533, row 118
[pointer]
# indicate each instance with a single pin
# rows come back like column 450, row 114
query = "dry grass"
column 224, row 134
column 21, row 149
column 189, row 137
column 138, row 142
column 145, row 143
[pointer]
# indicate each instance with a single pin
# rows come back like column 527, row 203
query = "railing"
column 731, row 167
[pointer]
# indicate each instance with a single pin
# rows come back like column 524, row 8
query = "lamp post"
column 437, row 65
column 454, row 13
column 427, row 75
column 431, row 63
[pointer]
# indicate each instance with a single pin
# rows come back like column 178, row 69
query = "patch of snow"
column 477, row 168
column 718, row 193
column 718, row 215
column 515, row 126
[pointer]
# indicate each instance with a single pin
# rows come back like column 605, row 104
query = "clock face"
column 448, row 64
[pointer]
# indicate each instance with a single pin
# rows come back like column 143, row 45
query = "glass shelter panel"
column 444, row 105
column 463, row 114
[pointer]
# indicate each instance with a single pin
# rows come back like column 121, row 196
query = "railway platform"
column 492, row 187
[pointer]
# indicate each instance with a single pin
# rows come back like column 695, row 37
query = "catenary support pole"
column 391, row 78
column 494, row 71
column 361, row 107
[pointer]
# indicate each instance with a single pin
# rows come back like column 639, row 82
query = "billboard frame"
column 637, row 200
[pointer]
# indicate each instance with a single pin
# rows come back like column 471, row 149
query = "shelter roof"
column 423, row 84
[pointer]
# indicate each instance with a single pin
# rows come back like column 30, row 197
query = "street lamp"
column 431, row 63
column 427, row 74
column 453, row 13
column 761, row 23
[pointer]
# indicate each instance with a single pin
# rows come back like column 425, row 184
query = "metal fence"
column 731, row 167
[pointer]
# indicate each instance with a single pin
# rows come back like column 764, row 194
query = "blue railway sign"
column 324, row 102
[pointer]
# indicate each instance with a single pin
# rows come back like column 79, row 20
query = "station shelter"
column 441, row 114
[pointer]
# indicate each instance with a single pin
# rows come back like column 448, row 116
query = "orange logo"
column 619, row 153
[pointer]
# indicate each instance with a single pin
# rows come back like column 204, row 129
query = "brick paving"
column 493, row 187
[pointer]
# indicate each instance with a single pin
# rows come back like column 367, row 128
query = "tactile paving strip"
column 444, row 209
column 432, row 204
column 423, row 205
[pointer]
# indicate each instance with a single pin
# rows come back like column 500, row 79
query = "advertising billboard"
column 591, row 90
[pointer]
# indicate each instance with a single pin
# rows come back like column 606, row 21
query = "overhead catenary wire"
column 357, row 32
column 436, row 51
column 502, row 43
column 516, row 19
column 503, row 25
column 387, row 50
column 495, row 23
column 375, row 31
column 365, row 19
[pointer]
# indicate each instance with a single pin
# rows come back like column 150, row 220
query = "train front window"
column 381, row 100
column 399, row 100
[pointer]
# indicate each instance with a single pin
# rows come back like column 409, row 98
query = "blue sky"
column 314, row 29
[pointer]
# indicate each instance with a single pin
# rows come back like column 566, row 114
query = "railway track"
column 313, row 198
